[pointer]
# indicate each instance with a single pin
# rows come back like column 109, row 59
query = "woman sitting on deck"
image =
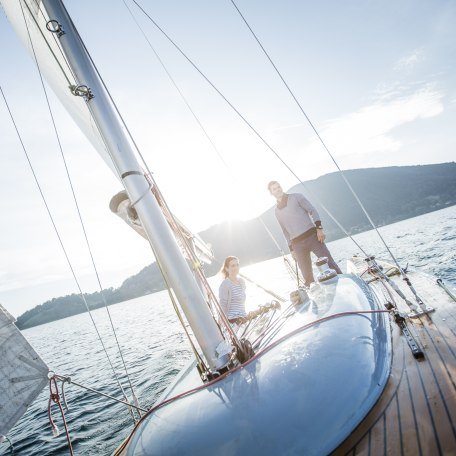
column 232, row 290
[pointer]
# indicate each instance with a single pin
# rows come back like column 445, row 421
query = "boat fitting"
column 299, row 296
column 326, row 272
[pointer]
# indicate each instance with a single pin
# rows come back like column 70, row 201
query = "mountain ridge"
column 389, row 194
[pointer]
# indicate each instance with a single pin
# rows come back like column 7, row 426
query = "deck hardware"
column 244, row 351
column 326, row 272
column 412, row 343
column 441, row 284
column 299, row 296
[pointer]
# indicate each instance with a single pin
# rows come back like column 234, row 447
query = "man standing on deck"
column 301, row 226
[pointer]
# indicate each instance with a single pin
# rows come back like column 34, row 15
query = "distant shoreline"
column 390, row 195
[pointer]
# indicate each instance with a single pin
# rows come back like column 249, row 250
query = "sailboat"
column 363, row 362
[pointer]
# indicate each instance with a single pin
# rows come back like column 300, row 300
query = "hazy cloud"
column 370, row 128
column 408, row 62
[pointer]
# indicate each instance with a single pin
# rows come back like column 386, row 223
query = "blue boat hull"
column 303, row 394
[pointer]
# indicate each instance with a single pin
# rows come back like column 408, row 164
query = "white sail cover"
column 23, row 374
column 121, row 205
column 28, row 18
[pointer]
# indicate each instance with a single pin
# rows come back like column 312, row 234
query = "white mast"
column 122, row 151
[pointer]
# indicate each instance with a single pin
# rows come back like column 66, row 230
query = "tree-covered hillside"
column 389, row 195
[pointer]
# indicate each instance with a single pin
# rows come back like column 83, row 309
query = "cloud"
column 369, row 129
column 409, row 62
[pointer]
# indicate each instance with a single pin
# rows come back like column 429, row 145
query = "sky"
column 376, row 78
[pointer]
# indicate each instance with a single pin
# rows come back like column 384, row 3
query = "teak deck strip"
column 416, row 414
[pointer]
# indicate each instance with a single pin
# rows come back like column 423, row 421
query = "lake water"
column 155, row 347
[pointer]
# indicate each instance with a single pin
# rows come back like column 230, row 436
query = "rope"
column 294, row 271
column 377, row 272
column 288, row 312
column 54, row 397
column 191, row 254
column 199, row 359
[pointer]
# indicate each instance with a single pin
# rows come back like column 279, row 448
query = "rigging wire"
column 197, row 267
column 69, row 380
column 244, row 119
column 228, row 328
column 135, row 399
column 149, row 176
column 82, row 225
column 177, row 230
column 32, row 16
column 403, row 273
column 198, row 121
column 189, row 250
column 79, row 212
column 215, row 148
column 176, row 86
column 172, row 298
column 233, row 176
column 61, row 241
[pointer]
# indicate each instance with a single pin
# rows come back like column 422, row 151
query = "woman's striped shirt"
column 232, row 298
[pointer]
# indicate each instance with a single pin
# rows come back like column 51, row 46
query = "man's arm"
column 314, row 215
column 309, row 208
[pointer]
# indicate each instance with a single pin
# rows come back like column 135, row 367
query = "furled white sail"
column 23, row 374
column 28, row 18
column 121, row 205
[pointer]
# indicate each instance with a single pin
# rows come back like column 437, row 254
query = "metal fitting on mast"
column 55, row 27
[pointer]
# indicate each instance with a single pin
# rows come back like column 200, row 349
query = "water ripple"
column 155, row 348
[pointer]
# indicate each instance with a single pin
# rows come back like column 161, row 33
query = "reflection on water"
column 155, row 347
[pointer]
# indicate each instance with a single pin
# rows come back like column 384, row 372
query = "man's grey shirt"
column 297, row 217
